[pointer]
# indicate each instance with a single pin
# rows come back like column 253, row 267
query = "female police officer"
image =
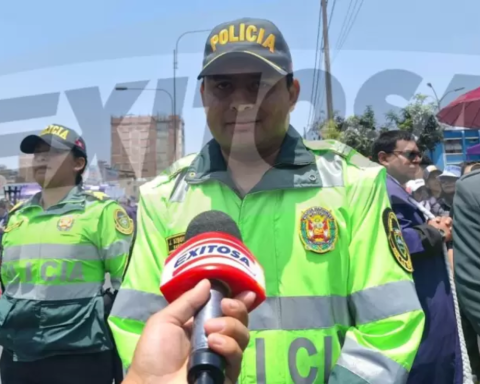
column 57, row 248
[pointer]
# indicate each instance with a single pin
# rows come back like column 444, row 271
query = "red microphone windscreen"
column 212, row 254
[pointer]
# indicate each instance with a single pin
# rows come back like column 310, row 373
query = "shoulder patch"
column 97, row 195
column 123, row 223
column 397, row 244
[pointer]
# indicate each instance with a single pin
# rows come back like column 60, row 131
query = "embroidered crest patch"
column 175, row 241
column 65, row 223
column 395, row 240
column 123, row 223
column 318, row 230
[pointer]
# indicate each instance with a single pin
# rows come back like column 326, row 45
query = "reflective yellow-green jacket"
column 53, row 270
column 341, row 306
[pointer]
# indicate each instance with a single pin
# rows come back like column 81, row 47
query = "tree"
column 418, row 117
column 359, row 132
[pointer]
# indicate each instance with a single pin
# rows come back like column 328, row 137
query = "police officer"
column 341, row 307
column 58, row 246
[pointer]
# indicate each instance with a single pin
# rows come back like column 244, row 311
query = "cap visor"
column 29, row 144
column 215, row 67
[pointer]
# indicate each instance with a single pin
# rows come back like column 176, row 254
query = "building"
column 143, row 146
column 453, row 150
column 25, row 169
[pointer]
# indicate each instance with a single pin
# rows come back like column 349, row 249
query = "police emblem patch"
column 318, row 230
column 65, row 223
column 123, row 223
column 395, row 240
column 175, row 241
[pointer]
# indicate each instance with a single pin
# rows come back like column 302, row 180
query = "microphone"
column 213, row 250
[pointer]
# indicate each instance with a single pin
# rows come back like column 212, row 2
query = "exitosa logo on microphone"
column 212, row 250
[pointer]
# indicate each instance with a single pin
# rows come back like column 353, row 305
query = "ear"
column 80, row 163
column 294, row 94
column 202, row 91
column 383, row 158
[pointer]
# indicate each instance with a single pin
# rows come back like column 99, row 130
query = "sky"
column 60, row 61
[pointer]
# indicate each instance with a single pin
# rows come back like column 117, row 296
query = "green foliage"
column 359, row 132
column 418, row 117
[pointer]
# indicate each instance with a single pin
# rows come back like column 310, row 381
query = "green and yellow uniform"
column 341, row 306
column 53, row 270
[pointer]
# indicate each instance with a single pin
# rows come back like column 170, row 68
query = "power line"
column 331, row 15
column 345, row 37
column 345, row 20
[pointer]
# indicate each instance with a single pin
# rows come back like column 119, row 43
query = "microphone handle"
column 206, row 366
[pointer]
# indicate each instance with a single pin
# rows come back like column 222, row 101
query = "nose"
column 242, row 100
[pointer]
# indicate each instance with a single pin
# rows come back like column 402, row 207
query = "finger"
column 230, row 327
column 238, row 307
column 228, row 348
column 185, row 307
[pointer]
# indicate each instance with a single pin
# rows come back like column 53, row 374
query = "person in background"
column 418, row 190
column 57, row 248
column 447, row 179
column 3, row 217
column 430, row 175
column 466, row 245
column 438, row 358
column 434, row 189
column 469, row 166
column 468, row 329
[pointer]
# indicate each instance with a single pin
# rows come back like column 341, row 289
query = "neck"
column 52, row 196
column 247, row 171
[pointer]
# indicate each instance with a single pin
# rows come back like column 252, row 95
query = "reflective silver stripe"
column 388, row 300
column 180, row 188
column 370, row 365
column 137, row 305
column 118, row 248
column 330, row 169
column 300, row 312
column 29, row 291
column 51, row 251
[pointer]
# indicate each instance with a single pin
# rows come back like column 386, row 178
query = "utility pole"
column 326, row 47
column 175, row 104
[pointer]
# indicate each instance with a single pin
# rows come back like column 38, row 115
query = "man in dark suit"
column 466, row 255
column 438, row 359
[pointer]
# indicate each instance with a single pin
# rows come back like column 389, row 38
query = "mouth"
column 40, row 169
column 244, row 125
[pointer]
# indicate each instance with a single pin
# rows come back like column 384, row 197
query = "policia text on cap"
column 57, row 247
column 315, row 214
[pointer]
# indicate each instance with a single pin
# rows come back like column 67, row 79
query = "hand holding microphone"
column 213, row 250
column 162, row 353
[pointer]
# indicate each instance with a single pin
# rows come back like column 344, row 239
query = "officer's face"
column 248, row 110
column 53, row 167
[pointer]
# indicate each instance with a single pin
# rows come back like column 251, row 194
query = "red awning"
column 463, row 111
